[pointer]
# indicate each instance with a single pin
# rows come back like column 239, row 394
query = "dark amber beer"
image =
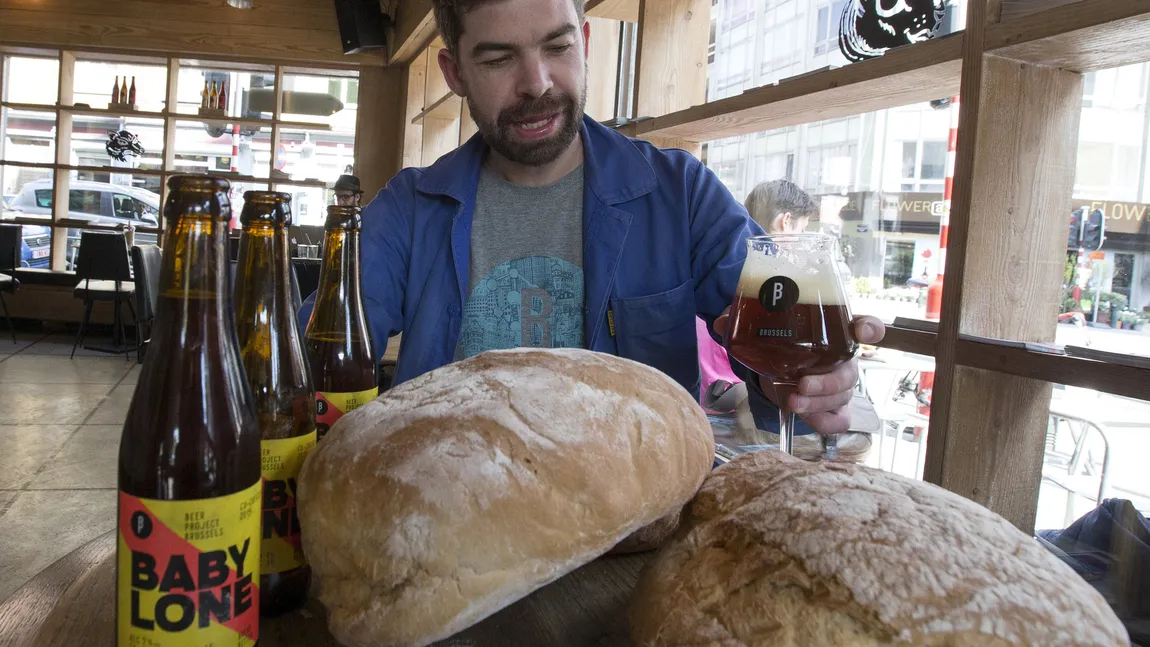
column 790, row 316
column 280, row 381
column 338, row 340
column 188, row 522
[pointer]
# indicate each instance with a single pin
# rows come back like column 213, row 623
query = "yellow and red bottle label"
column 188, row 571
column 281, row 461
column 330, row 407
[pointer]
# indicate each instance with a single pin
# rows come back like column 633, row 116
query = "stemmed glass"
column 791, row 318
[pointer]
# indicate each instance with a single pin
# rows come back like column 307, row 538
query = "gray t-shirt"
column 526, row 275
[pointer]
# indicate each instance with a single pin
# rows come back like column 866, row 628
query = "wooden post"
column 671, row 65
column 380, row 127
column 415, row 78
column 1018, row 136
column 602, row 68
column 60, row 193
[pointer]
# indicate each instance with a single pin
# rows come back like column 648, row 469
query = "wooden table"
column 72, row 603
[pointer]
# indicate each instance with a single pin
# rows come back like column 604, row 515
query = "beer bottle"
column 124, row 90
column 204, row 96
column 116, row 90
column 222, row 99
column 280, row 381
column 188, row 522
column 132, row 92
column 213, row 97
column 338, row 341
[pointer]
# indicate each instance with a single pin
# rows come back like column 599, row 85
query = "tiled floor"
column 60, row 423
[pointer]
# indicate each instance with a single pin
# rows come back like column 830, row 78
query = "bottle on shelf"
column 338, row 341
column 116, row 90
column 204, row 96
column 190, row 485
column 214, row 97
column 132, row 92
column 222, row 99
column 280, row 380
column 124, row 90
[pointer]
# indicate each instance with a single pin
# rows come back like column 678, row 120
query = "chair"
column 105, row 275
column 146, row 270
column 9, row 261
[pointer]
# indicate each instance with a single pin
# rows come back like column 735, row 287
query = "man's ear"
column 450, row 68
column 586, row 38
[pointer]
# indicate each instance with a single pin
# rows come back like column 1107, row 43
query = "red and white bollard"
column 934, row 291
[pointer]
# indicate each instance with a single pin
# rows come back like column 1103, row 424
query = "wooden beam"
column 1082, row 37
column 1107, row 377
column 921, row 72
column 1013, row 176
column 624, row 10
column 996, row 444
column 671, row 62
column 910, row 341
column 379, row 127
column 439, row 108
column 158, row 33
column 414, row 30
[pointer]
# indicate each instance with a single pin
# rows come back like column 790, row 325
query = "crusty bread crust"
column 779, row 552
column 459, row 492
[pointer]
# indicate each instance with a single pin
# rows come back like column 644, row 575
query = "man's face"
column 522, row 65
column 347, row 198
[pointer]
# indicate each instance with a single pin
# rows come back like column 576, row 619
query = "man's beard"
column 499, row 134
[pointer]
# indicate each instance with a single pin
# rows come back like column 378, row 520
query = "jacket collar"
column 613, row 169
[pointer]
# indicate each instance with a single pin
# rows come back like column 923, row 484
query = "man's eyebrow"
column 493, row 46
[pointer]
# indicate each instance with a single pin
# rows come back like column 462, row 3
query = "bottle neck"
column 263, row 281
column 194, row 265
column 338, row 305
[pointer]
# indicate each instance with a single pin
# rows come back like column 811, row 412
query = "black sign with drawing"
column 870, row 27
column 123, row 144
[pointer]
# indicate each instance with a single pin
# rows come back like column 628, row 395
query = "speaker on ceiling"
column 361, row 25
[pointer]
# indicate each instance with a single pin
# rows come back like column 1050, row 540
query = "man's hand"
column 822, row 400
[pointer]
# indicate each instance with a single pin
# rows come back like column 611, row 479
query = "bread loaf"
column 459, row 492
column 781, row 552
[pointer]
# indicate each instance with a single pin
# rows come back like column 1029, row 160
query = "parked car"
column 35, row 241
column 99, row 203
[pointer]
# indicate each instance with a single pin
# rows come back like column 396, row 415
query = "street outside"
column 1125, row 420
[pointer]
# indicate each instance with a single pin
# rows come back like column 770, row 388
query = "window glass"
column 94, row 80
column 27, row 136
column 31, row 80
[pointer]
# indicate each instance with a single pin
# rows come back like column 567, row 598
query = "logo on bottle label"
column 778, row 294
column 281, row 460
column 330, row 407
column 187, row 571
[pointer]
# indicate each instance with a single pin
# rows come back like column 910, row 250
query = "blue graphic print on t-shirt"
column 535, row 301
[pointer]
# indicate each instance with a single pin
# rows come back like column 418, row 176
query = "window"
column 827, row 29
column 299, row 142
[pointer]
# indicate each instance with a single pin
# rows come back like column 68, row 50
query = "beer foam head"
column 815, row 277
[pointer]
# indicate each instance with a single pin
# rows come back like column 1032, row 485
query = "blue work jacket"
column 663, row 240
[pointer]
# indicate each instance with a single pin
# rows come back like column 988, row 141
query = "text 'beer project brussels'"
column 338, row 340
column 188, row 523
column 280, row 381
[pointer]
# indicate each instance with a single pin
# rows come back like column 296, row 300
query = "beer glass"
column 790, row 317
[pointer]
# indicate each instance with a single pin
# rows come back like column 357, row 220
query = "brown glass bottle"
column 189, row 466
column 338, row 340
column 281, row 386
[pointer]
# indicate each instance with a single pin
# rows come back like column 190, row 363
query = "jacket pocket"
column 659, row 330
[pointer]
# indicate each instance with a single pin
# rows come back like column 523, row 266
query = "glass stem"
column 786, row 430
